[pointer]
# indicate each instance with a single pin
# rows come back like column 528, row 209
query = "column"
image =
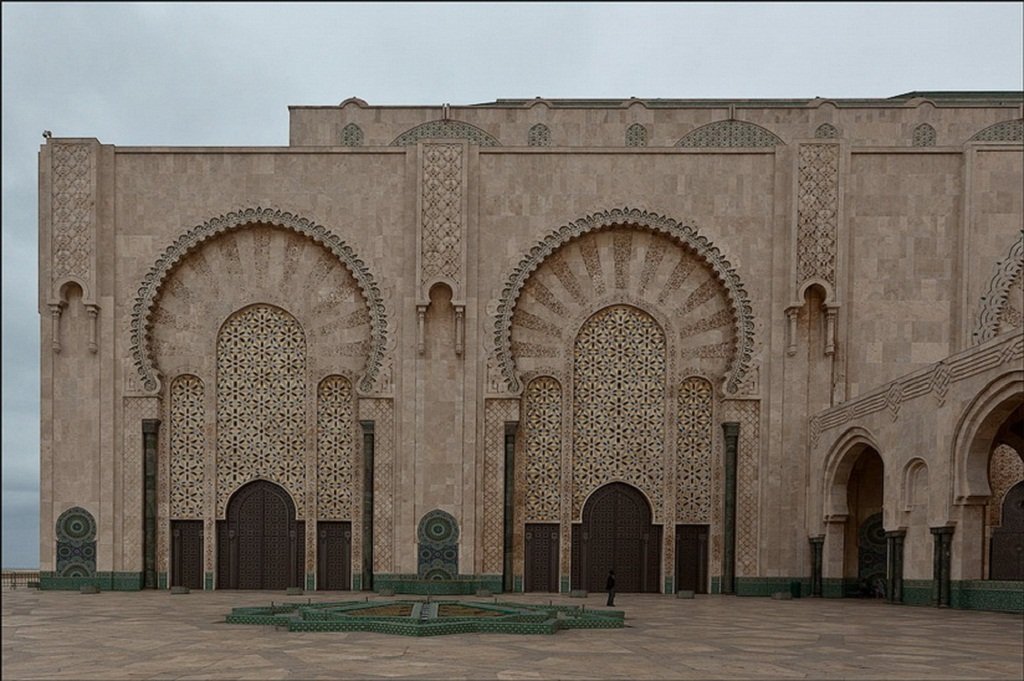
column 150, row 431
column 894, row 565
column 817, row 547
column 366, row 579
column 940, row 567
column 732, row 433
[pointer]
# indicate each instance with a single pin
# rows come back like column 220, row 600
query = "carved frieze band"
column 686, row 235
column 140, row 323
column 817, row 212
column 935, row 380
column 73, row 202
column 441, row 216
column 1003, row 297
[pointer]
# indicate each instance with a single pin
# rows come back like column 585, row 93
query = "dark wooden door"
column 617, row 533
column 871, row 552
column 260, row 545
column 187, row 553
column 1006, row 554
column 334, row 556
column 692, row 558
column 541, row 558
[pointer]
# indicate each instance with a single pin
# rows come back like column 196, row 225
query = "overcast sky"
column 224, row 75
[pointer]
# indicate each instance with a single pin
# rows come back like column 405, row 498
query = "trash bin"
column 794, row 589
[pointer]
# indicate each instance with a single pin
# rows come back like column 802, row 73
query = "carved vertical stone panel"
column 693, row 456
column 135, row 410
column 496, row 414
column 748, row 461
column 442, row 236
column 817, row 213
column 73, row 211
column 187, row 448
column 381, row 412
column 543, row 450
column 335, row 443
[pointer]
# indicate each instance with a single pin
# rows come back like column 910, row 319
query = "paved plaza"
column 154, row 635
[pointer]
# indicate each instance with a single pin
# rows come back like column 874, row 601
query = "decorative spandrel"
column 261, row 406
column 619, row 367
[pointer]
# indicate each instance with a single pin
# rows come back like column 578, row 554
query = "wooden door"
column 617, row 533
column 187, row 553
column 692, row 558
column 260, row 545
column 334, row 556
column 1007, row 546
column 541, row 572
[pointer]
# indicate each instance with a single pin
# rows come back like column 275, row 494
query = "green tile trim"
column 918, row 591
column 104, row 581
column 461, row 585
column 161, row 580
column 766, row 586
column 716, row 585
column 564, row 585
column 834, row 588
column 517, row 584
column 208, row 581
column 670, row 587
column 985, row 594
column 357, row 582
column 310, row 581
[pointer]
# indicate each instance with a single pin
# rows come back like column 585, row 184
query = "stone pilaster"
column 732, row 432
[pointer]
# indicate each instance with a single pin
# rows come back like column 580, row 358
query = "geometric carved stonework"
column 924, row 136
column 351, row 136
column 335, row 426
column 446, row 130
column 497, row 415
column 693, row 452
column 747, row 466
column 619, row 405
column 72, row 210
column 1007, row 131
column 1005, row 469
column 441, row 240
column 730, row 134
column 543, row 449
column 188, row 447
column 817, row 212
column 539, row 136
column 624, row 255
column 1002, row 306
column 636, row 136
column 261, row 415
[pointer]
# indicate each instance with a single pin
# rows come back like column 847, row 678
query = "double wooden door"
column 541, row 557
column 260, row 544
column 692, row 558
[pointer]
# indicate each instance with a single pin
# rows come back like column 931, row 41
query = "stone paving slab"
column 153, row 635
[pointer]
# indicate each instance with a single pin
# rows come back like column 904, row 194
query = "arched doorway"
column 616, row 533
column 260, row 544
column 1007, row 544
column 864, row 559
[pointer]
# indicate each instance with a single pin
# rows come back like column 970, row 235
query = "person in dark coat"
column 609, row 586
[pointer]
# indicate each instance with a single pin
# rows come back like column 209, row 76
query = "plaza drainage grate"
column 432, row 618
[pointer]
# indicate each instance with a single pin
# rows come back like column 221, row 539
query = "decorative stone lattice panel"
column 619, row 405
column 76, row 543
column 1005, row 469
column 446, row 130
column 193, row 283
column 72, row 202
column 496, row 414
column 188, row 448
column 1007, row 131
column 924, row 136
column 136, row 409
column 261, row 403
column 1003, row 304
column 826, row 131
column 335, row 434
column 817, row 212
column 351, row 136
column 636, row 135
column 441, row 239
column 553, row 283
column 693, row 452
column 381, row 412
column 748, row 462
column 730, row 134
column 543, row 470
column 539, row 136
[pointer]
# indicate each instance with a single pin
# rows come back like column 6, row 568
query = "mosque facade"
column 721, row 346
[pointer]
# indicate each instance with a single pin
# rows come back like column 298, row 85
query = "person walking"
column 609, row 586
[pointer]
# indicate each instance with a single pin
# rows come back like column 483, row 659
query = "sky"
column 224, row 75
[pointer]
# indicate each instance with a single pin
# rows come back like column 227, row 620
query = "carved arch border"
column 683, row 234
column 995, row 299
column 839, row 462
column 139, row 340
